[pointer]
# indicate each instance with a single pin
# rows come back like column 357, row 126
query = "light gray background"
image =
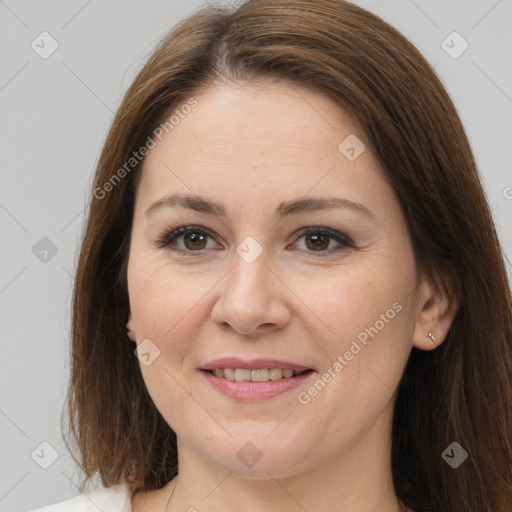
column 55, row 113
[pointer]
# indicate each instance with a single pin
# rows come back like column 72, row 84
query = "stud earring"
column 432, row 337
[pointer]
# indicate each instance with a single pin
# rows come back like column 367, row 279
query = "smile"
column 257, row 375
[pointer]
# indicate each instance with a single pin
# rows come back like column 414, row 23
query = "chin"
column 254, row 454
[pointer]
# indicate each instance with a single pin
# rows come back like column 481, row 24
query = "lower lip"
column 254, row 391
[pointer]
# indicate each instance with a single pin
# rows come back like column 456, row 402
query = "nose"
column 252, row 299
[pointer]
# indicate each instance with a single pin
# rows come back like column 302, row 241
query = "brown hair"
column 461, row 391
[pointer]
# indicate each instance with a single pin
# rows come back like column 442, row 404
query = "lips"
column 254, row 380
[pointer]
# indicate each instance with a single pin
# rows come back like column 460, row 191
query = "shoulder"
column 113, row 499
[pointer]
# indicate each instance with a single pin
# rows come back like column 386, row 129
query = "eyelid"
column 336, row 235
column 173, row 233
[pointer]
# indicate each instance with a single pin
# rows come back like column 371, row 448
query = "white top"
column 114, row 499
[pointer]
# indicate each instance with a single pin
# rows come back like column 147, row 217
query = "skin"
column 251, row 147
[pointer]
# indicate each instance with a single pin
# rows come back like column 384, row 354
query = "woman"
column 289, row 231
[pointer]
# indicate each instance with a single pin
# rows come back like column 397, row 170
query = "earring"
column 432, row 337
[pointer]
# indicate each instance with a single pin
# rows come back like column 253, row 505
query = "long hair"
column 460, row 392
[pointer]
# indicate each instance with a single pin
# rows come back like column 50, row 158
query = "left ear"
column 438, row 302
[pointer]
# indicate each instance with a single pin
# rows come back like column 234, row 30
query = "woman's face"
column 261, row 283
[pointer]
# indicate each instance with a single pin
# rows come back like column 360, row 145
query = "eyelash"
column 165, row 240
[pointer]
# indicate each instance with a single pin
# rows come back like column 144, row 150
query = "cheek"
column 164, row 306
column 361, row 303
column 369, row 314
column 167, row 305
column 370, row 321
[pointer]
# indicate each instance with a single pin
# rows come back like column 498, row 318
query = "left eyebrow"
column 295, row 207
column 314, row 204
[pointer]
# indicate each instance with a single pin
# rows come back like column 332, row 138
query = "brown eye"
column 194, row 240
column 323, row 241
column 317, row 242
column 187, row 239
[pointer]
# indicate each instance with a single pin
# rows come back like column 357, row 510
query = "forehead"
column 262, row 116
column 278, row 140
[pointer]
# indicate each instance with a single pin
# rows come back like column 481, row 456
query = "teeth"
column 259, row 375
column 242, row 375
column 275, row 374
column 229, row 373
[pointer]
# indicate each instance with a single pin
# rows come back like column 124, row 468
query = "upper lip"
column 253, row 364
